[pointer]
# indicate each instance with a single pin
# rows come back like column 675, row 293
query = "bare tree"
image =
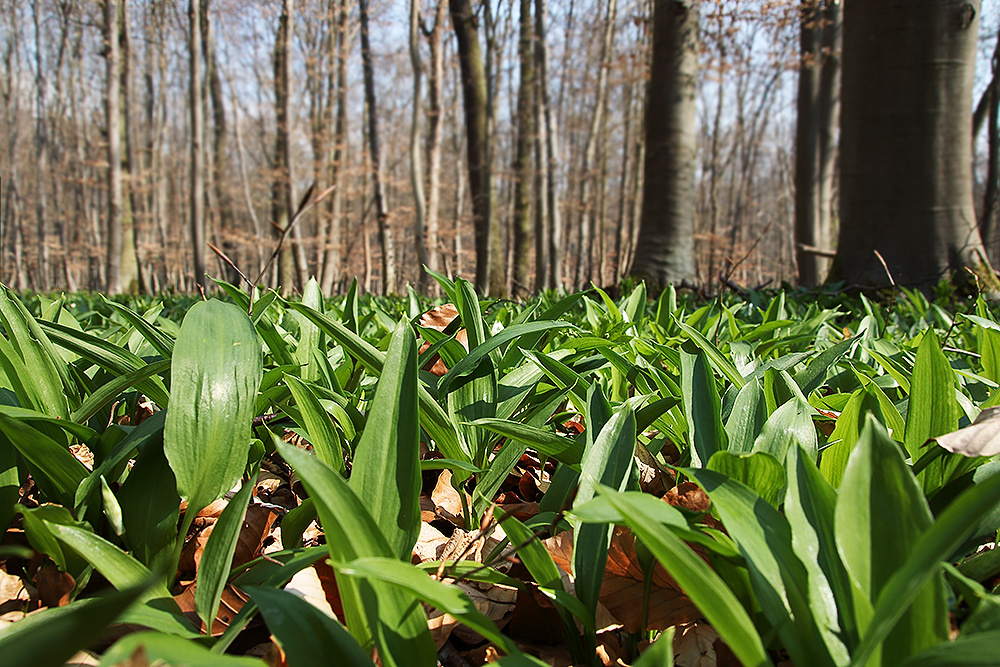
column 664, row 249
column 281, row 191
column 906, row 187
column 524, row 178
column 381, row 211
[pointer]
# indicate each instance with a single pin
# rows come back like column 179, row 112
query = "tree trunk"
column 906, row 186
column 554, row 274
column 42, row 151
column 113, row 115
column 474, row 95
column 435, row 87
column 197, row 156
column 130, row 276
column 416, row 166
column 381, row 212
column 334, row 260
column 281, row 191
column 522, row 165
column 220, row 144
column 664, row 249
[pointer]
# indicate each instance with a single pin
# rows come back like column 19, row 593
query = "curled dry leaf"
column 981, row 438
column 54, row 587
column 689, row 496
column 447, row 502
column 622, row 588
column 233, row 600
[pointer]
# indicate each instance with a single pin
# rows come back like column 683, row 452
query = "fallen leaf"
column 623, row 585
column 981, row 438
column 689, row 496
column 438, row 319
column 694, row 646
column 232, row 601
column 447, row 502
column 306, row 584
column 54, row 587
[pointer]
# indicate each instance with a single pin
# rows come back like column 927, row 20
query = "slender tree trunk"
column 416, row 166
column 197, row 156
column 664, row 249
column 807, row 181
column 334, row 261
column 381, row 211
column 987, row 217
column 554, row 274
column 281, row 192
column 906, row 186
column 220, row 144
column 131, row 278
column 113, row 115
column 435, row 85
column 829, row 120
column 474, row 94
column 524, row 178
column 42, row 152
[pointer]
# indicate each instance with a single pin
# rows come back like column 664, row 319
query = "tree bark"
column 281, row 192
column 522, row 164
column 416, row 164
column 130, row 276
column 197, row 155
column 381, row 211
column 474, row 95
column 334, row 260
column 906, row 186
column 113, row 115
column 664, row 249
column 554, row 274
column 42, row 151
column 435, row 87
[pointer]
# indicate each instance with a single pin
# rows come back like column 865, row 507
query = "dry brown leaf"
column 257, row 525
column 306, row 584
column 83, row 659
column 689, row 496
column 232, row 601
column 54, row 587
column 429, row 544
column 438, row 319
column 447, row 502
column 492, row 600
column 622, row 588
column 83, row 455
column 328, row 580
column 694, row 646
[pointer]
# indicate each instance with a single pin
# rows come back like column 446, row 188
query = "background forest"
column 120, row 155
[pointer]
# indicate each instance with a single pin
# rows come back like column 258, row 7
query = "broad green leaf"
column 386, row 470
column 158, row 648
column 114, row 359
column 809, row 506
column 217, row 368
column 316, row 421
column 932, row 410
column 718, row 360
column 372, row 609
column 758, row 471
column 546, row 442
column 778, row 576
column 57, row 472
column 48, row 376
column 309, row 334
column 434, row 419
column 51, row 637
column 107, row 392
column 160, row 341
column 10, row 481
column 606, row 462
column 447, row 598
column 705, row 588
column 79, row 431
column 814, row 375
column 217, row 558
column 150, row 504
column 702, row 407
column 978, row 650
column 902, row 594
column 746, row 418
column 791, row 424
column 880, row 517
column 306, row 634
column 845, row 435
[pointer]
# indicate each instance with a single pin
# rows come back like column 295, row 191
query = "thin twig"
column 225, row 258
column 304, row 206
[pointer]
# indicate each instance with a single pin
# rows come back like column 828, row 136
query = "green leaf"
column 48, row 379
column 978, row 650
column 386, row 470
column 933, row 409
column 52, row 636
column 881, row 515
column 433, row 418
column 309, row 334
column 158, row 648
column 758, row 471
column 57, row 472
column 217, row 558
column 447, row 598
column 372, row 609
column 217, row 368
column 717, row 359
column 779, row 579
column 746, row 418
column 545, row 441
column 814, row 375
column 791, row 424
column 607, row 462
column 702, row 407
column 114, row 387
column 320, row 429
column 306, row 634
column 160, row 341
column 705, row 588
column 150, row 504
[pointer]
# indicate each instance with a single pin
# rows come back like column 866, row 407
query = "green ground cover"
column 767, row 464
